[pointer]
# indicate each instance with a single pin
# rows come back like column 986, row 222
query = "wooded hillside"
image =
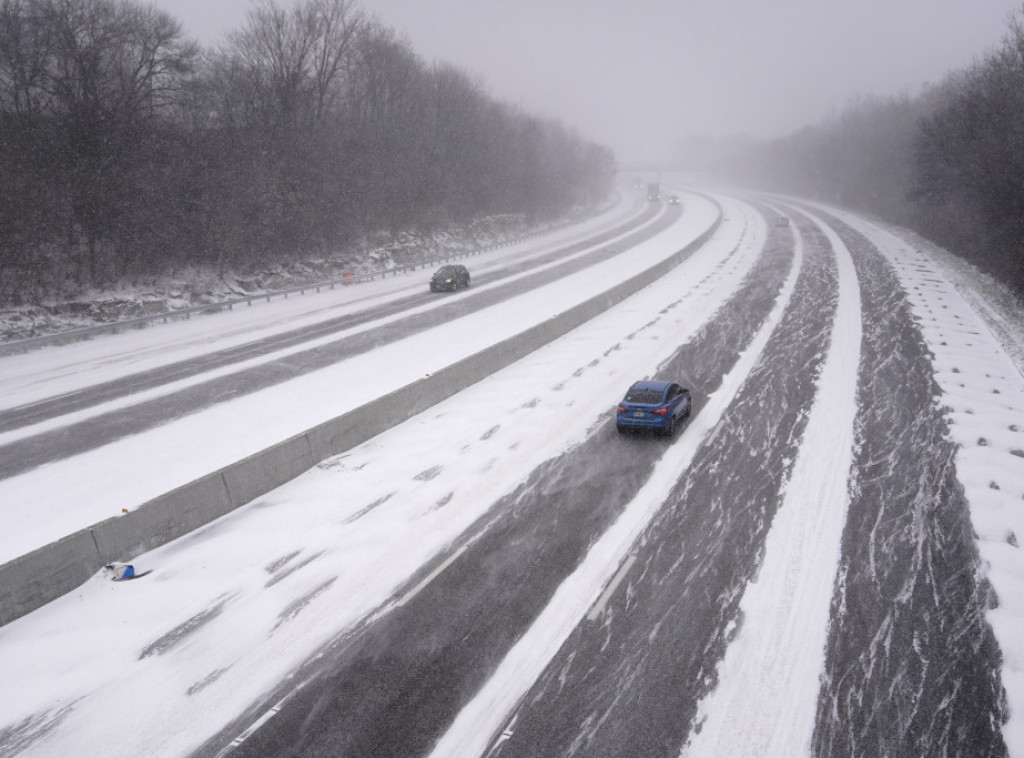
column 126, row 149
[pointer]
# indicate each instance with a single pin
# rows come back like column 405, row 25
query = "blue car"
column 652, row 406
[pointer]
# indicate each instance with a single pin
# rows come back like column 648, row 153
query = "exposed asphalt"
column 912, row 666
column 394, row 687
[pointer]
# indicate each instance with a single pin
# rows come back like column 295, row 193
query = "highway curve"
column 392, row 688
column 910, row 663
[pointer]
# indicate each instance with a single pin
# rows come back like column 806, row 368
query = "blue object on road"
column 654, row 406
column 121, row 571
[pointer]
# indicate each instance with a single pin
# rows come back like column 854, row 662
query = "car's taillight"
column 620, row 409
column 660, row 411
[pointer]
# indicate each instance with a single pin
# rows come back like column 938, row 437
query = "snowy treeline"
column 127, row 149
column 948, row 162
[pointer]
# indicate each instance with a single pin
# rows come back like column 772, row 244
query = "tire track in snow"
column 525, row 543
column 764, row 704
column 483, row 719
column 630, row 684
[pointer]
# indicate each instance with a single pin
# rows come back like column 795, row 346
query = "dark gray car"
column 449, row 278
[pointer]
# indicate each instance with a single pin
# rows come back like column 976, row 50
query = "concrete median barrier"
column 32, row 580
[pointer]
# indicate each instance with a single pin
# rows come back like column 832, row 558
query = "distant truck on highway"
column 654, row 192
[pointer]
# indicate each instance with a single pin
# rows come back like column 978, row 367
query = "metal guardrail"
column 32, row 580
column 112, row 327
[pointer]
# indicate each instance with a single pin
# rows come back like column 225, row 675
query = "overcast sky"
column 641, row 75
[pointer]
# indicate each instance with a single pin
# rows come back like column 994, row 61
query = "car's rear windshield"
column 644, row 396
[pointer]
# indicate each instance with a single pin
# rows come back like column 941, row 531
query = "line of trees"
column 125, row 149
column 948, row 162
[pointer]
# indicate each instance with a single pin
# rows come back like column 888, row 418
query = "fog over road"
column 505, row 575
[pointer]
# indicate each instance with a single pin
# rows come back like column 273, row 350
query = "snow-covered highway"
column 820, row 562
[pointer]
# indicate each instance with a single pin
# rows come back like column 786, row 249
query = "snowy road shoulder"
column 983, row 392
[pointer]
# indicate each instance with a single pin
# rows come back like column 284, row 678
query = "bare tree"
column 336, row 23
column 292, row 59
column 124, row 151
column 970, row 159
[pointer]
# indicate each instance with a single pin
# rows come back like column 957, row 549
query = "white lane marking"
column 483, row 716
column 765, row 703
column 251, row 729
column 715, row 431
column 430, row 577
column 505, row 735
column 602, row 601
